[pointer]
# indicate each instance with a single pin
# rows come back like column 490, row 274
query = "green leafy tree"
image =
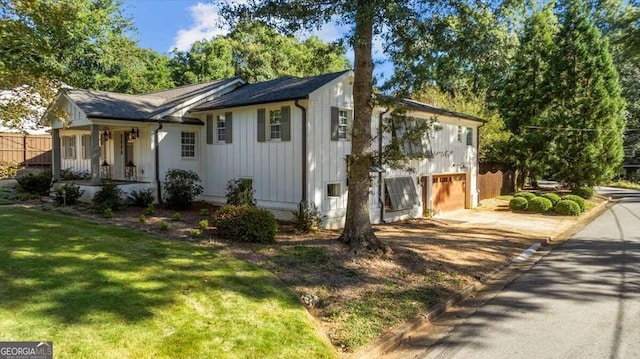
column 81, row 43
column 206, row 60
column 256, row 52
column 462, row 47
column 587, row 107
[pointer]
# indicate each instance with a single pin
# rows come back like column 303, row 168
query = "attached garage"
column 448, row 192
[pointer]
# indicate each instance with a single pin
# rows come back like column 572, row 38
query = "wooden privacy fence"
column 27, row 150
column 494, row 184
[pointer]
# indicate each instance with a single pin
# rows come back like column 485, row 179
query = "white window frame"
column 69, row 145
column 271, row 125
column 334, row 193
column 86, row 146
column 343, row 123
column 221, row 132
column 187, row 150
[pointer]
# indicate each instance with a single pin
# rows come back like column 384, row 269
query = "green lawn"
column 625, row 184
column 104, row 292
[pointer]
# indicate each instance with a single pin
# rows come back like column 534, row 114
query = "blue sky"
column 165, row 24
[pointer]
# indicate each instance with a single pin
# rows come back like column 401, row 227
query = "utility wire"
column 579, row 129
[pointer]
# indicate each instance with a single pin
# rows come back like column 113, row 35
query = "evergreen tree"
column 524, row 97
column 586, row 108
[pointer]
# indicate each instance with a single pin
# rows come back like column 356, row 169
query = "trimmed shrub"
column 8, row 169
column 567, row 208
column 151, row 209
column 109, row 196
column 204, row 224
column 240, row 192
column 108, row 213
column 577, row 199
column 584, row 192
column 67, row 194
column 554, row 198
column 182, row 187
column 518, row 204
column 36, row 183
column 141, row 198
column 68, row 174
column 539, row 205
column 307, row 217
column 246, row 224
column 527, row 195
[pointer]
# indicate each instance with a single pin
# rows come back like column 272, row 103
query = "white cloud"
column 207, row 23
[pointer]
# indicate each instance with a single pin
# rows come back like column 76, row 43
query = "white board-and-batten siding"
column 449, row 155
column 326, row 158
column 170, row 149
column 274, row 166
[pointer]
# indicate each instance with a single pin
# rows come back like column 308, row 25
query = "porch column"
column 95, row 155
column 55, row 153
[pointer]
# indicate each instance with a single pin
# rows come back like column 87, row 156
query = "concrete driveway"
column 499, row 218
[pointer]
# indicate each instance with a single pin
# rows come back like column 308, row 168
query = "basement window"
column 400, row 193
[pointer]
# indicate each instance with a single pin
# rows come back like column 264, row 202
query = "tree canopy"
column 256, row 52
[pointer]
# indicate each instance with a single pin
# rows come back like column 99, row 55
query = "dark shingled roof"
column 419, row 106
column 285, row 88
column 111, row 105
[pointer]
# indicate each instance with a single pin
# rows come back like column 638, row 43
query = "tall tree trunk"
column 358, row 233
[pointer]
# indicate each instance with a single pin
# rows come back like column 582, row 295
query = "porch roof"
column 146, row 107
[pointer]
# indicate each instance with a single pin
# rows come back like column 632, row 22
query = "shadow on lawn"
column 79, row 272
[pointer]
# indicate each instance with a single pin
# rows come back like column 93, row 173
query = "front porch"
column 113, row 152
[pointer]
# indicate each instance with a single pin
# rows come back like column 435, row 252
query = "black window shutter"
column 286, row 123
column 209, row 129
column 228, row 127
column 261, row 125
column 334, row 123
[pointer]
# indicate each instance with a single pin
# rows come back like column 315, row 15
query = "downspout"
column 478, row 159
column 304, row 151
column 380, row 197
column 157, row 153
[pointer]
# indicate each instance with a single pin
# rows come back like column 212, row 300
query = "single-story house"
column 289, row 136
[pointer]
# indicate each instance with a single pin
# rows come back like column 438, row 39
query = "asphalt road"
column 580, row 301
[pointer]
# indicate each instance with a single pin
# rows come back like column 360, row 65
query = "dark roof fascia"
column 418, row 106
column 249, row 104
column 191, row 120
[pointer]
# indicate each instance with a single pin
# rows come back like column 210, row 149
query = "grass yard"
column 107, row 292
column 625, row 184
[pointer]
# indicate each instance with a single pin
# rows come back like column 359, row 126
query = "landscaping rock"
column 309, row 300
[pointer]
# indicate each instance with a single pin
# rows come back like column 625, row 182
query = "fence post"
column 24, row 150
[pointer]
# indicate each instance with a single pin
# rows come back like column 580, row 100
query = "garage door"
column 448, row 192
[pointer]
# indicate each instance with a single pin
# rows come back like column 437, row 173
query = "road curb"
column 496, row 279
